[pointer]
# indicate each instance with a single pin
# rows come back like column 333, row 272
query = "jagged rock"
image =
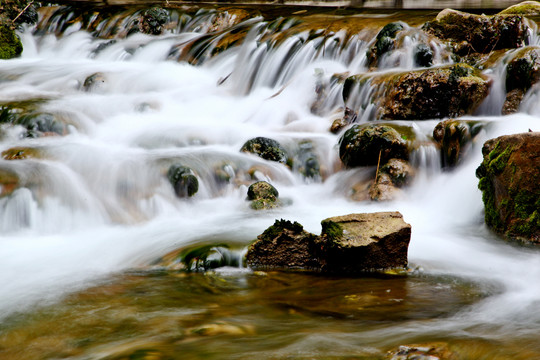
column 513, row 101
column 363, row 242
column 527, row 8
column 284, row 245
column 10, row 44
column 183, row 180
column 509, row 177
column 395, row 174
column 348, row 244
column 262, row 195
column 454, row 138
column 152, row 21
column 265, row 148
column 433, row 94
column 431, row 351
column 522, row 72
column 470, row 33
column 362, row 144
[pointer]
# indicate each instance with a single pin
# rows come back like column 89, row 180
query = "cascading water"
column 96, row 201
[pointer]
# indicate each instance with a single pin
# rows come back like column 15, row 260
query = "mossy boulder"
column 262, row 195
column 10, row 44
column 183, row 180
column 265, row 148
column 471, row 33
column 454, row 138
column 527, row 8
column 363, row 242
column 451, row 91
column 509, row 177
column 361, row 145
column 285, row 245
column 391, row 177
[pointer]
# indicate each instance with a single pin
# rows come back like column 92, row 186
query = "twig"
column 378, row 163
column 22, row 11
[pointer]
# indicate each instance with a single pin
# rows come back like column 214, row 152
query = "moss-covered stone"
column 509, row 177
column 527, row 8
column 10, row 44
column 361, row 145
column 183, row 180
column 471, row 33
column 263, row 196
column 265, row 148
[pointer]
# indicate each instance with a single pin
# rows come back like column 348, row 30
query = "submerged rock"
column 285, row 245
column 306, row 161
column 454, row 138
column 470, row 33
column 94, row 82
column 509, row 177
column 183, row 180
column 262, row 195
column 265, row 148
column 361, row 145
column 348, row 244
column 431, row 351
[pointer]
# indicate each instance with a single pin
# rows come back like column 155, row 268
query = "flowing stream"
column 93, row 209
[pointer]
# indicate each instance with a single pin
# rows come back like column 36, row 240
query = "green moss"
column 332, row 230
column 491, row 212
column 499, row 159
column 279, row 226
column 10, row 44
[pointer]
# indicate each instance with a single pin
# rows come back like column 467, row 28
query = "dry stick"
column 378, row 163
column 23, row 10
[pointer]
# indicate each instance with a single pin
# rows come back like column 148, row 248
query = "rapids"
column 95, row 203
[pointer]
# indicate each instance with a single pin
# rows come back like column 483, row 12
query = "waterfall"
column 113, row 110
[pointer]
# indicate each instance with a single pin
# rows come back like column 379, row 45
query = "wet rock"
column 361, row 145
column 284, row 245
column 306, row 161
column 363, row 242
column 454, row 138
column 470, row 33
column 391, row 177
column 152, row 21
column 42, row 124
column 509, row 177
column 522, row 72
column 94, row 82
column 348, row 244
column 9, row 181
column 21, row 153
column 349, row 117
column 183, row 180
column 10, row 44
column 265, row 148
column 223, row 328
column 431, row 351
column 262, row 196
column 433, row 94
column 527, row 8
column 423, row 55
column 384, row 42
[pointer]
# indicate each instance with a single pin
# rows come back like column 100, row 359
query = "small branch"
column 378, row 163
column 22, row 11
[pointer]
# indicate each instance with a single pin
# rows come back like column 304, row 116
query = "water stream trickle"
column 96, row 201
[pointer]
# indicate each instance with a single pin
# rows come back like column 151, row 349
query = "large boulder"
column 285, row 245
column 509, row 177
column 10, row 44
column 365, row 145
column 454, row 138
column 363, row 242
column 348, row 244
column 522, row 71
column 435, row 93
column 471, row 33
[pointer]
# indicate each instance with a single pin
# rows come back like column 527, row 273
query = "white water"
column 100, row 202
